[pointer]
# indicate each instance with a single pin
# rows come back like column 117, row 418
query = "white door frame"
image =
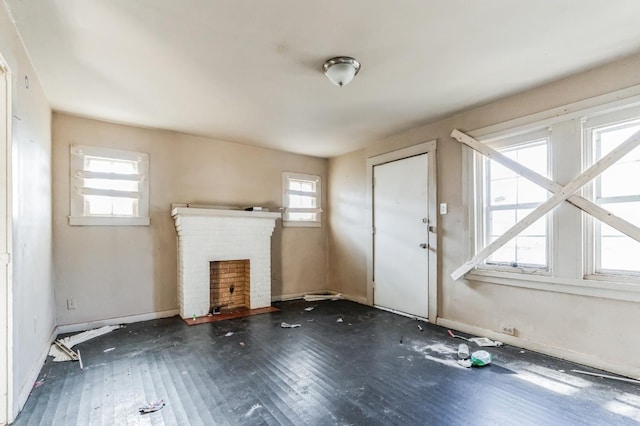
column 423, row 148
column 6, row 281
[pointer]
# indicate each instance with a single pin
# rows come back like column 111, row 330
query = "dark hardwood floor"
column 373, row 368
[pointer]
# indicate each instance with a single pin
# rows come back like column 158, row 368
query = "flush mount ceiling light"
column 341, row 70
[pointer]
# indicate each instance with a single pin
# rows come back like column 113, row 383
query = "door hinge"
column 5, row 258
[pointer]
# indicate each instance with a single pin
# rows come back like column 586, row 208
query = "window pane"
column 505, row 255
column 531, row 250
column 302, row 201
column 511, row 192
column 302, row 185
column 620, row 254
column 303, row 216
column 529, row 192
column 118, row 185
column 500, row 221
column 124, row 206
column 623, row 178
column 614, row 251
column 99, row 205
column 106, row 165
column 503, row 191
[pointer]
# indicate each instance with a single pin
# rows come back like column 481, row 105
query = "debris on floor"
column 309, row 308
column 339, row 320
column 480, row 341
column 229, row 334
column 69, row 342
column 466, row 363
column 108, row 350
column 420, row 327
column 463, row 351
column 151, row 407
column 80, row 360
column 456, row 335
column 320, row 297
column 287, row 325
column 484, row 341
column 253, row 408
column 480, row 358
column 606, row 376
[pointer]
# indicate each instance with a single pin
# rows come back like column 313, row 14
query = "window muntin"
column 617, row 189
column 301, row 199
column 508, row 198
column 108, row 187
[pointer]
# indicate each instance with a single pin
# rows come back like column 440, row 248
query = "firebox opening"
column 230, row 285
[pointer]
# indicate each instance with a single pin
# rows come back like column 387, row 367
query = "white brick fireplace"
column 206, row 235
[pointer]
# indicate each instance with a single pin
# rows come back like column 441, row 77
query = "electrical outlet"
column 71, row 304
column 444, row 208
column 508, row 329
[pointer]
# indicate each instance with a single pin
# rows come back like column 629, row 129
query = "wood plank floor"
column 373, row 368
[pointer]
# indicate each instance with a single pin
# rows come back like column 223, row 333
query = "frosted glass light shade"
column 341, row 70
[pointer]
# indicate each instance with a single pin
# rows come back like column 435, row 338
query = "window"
column 617, row 189
column 301, row 200
column 108, row 187
column 504, row 198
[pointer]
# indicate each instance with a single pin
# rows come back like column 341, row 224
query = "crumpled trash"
column 287, row 325
column 339, row 320
column 480, row 358
column 151, row 407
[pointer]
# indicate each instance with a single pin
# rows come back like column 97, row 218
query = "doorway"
column 402, row 265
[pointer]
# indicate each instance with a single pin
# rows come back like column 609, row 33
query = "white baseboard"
column 578, row 357
column 72, row 328
column 27, row 386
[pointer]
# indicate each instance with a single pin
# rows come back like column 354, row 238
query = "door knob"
column 423, row 245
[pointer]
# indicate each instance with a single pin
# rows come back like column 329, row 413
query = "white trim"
column 615, row 290
column 562, row 353
column 72, row 328
column 109, row 221
column 7, row 396
column 411, row 151
column 620, row 99
column 32, row 377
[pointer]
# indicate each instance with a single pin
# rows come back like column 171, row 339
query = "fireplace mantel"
column 213, row 212
column 214, row 234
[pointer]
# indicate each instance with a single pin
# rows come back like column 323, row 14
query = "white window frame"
column 592, row 265
column 569, row 268
column 286, row 220
column 481, row 217
column 78, row 207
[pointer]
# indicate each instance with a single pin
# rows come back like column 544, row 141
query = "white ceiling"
column 249, row 71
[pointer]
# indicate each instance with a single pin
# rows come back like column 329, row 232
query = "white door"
column 5, row 241
column 400, row 242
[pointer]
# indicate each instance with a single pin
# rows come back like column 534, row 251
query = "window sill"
column 301, row 224
column 108, row 221
column 610, row 289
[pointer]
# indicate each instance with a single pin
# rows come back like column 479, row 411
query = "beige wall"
column 121, row 271
column 33, row 293
column 348, row 225
column 593, row 330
